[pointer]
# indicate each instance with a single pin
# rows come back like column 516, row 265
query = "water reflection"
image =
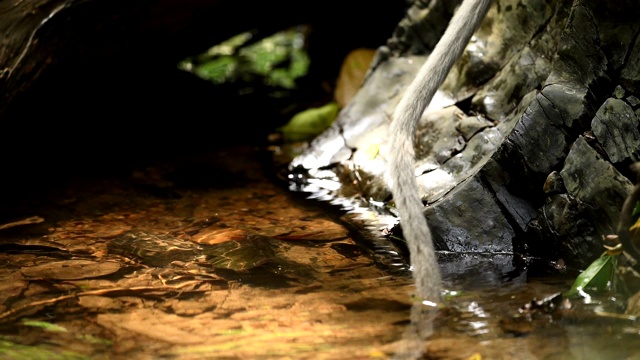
column 495, row 308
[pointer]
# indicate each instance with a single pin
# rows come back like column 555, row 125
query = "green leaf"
column 44, row 325
column 218, row 70
column 13, row 351
column 636, row 209
column 596, row 278
column 307, row 124
column 278, row 60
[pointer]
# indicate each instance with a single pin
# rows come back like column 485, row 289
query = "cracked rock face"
column 525, row 147
column 616, row 129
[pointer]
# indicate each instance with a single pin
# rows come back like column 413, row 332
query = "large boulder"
column 525, row 149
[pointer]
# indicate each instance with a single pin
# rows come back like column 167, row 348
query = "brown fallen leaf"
column 71, row 270
column 352, row 73
column 99, row 303
column 188, row 286
column 184, row 307
column 218, row 236
column 302, row 235
column 155, row 324
column 27, row 221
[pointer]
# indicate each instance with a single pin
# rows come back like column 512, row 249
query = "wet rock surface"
column 615, row 126
column 542, row 169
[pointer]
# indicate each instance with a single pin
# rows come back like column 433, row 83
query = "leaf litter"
column 152, row 266
column 209, row 272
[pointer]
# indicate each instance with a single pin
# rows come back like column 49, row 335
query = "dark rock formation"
column 526, row 150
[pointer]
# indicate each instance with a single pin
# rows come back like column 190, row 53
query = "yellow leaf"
column 354, row 68
column 475, row 356
column 377, row 354
column 635, row 226
column 372, row 151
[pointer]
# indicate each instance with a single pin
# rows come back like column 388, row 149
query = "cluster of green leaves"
column 277, row 60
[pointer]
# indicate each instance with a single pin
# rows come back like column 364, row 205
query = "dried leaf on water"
column 27, row 221
column 216, row 236
column 185, row 287
column 154, row 324
column 71, row 270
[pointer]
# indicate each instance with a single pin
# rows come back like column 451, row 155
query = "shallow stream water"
column 211, row 257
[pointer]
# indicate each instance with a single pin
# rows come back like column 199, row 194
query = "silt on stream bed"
column 212, row 258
